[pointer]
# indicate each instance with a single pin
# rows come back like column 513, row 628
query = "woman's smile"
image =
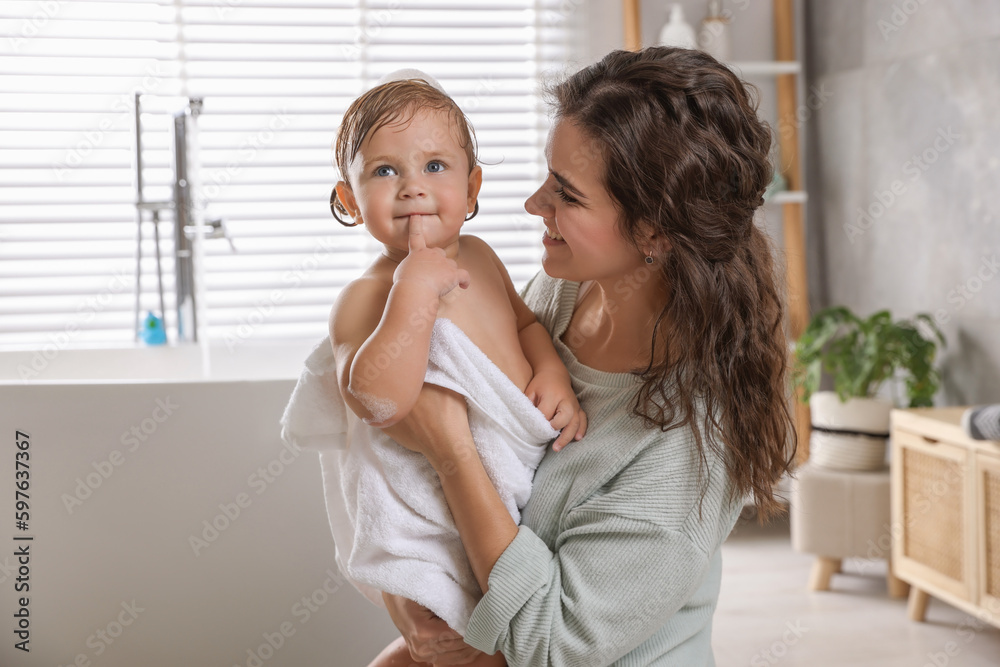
column 552, row 237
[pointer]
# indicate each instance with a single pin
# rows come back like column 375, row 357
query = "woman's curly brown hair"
column 687, row 158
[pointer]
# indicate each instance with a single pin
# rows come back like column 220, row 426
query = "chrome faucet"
column 182, row 206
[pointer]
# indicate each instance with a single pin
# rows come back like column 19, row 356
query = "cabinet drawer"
column 931, row 510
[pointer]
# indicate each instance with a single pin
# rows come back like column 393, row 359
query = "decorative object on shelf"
column 677, row 31
column 713, row 38
column 849, row 425
column 153, row 332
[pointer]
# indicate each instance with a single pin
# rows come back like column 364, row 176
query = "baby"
column 406, row 153
column 438, row 307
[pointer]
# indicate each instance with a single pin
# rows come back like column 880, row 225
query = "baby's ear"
column 475, row 183
column 345, row 197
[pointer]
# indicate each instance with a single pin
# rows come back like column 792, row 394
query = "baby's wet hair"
column 389, row 103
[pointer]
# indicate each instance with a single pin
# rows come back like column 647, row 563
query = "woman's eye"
column 385, row 171
column 565, row 197
column 434, row 166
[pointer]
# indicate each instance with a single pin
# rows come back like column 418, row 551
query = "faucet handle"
column 216, row 229
column 219, row 231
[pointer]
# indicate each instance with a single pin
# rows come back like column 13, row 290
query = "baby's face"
column 412, row 168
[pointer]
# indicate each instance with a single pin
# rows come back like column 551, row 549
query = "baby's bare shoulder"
column 358, row 308
column 475, row 250
column 475, row 245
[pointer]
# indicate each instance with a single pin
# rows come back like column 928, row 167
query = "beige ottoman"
column 837, row 514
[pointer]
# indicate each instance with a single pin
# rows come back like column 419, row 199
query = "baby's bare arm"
column 380, row 335
column 550, row 387
column 381, row 330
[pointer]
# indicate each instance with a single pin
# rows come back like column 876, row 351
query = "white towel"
column 391, row 525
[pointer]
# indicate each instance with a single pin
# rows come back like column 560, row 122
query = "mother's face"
column 582, row 241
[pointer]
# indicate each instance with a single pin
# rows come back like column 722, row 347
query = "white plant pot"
column 848, row 436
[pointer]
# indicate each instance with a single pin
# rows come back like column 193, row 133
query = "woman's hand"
column 427, row 636
column 437, row 427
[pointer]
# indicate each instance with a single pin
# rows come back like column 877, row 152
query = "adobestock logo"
column 898, row 17
column 779, row 649
column 133, row 438
column 966, row 291
column 260, row 480
column 915, row 168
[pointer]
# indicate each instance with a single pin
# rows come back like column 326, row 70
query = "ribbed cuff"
column 521, row 570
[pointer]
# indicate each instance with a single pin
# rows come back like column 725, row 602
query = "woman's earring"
column 649, row 258
column 336, row 212
column 475, row 212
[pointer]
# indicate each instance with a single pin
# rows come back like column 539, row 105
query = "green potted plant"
column 850, row 425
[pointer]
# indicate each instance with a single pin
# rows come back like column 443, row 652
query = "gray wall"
column 910, row 134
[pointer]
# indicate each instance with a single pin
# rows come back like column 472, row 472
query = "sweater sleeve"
column 614, row 578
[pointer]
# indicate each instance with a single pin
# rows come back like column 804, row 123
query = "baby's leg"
column 397, row 655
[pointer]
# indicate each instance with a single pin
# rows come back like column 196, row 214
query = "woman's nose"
column 538, row 203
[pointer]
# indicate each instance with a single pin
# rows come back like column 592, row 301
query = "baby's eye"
column 435, row 167
column 385, row 170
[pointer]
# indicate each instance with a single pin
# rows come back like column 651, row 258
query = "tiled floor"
column 766, row 616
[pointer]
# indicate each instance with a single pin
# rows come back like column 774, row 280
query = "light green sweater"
column 612, row 563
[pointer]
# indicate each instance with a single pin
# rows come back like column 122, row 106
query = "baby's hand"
column 552, row 393
column 429, row 266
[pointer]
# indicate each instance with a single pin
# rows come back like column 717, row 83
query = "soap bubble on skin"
column 381, row 409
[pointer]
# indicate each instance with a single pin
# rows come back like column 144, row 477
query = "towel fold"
column 390, row 521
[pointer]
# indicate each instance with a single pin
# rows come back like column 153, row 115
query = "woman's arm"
column 440, row 417
column 438, row 426
column 427, row 636
column 627, row 559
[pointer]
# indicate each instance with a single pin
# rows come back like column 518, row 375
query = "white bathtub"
column 139, row 557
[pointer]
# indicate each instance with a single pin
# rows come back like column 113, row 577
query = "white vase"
column 714, row 35
column 850, row 435
column 677, row 31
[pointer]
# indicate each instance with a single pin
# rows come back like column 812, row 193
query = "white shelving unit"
column 766, row 67
column 786, row 69
column 788, row 197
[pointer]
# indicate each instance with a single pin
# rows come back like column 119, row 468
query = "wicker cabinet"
column 988, row 497
column 945, row 512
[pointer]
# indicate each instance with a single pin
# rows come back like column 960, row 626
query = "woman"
column 659, row 292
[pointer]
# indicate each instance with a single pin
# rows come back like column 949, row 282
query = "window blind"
column 275, row 79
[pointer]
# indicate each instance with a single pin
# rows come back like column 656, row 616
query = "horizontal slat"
column 60, row 28
column 108, row 10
